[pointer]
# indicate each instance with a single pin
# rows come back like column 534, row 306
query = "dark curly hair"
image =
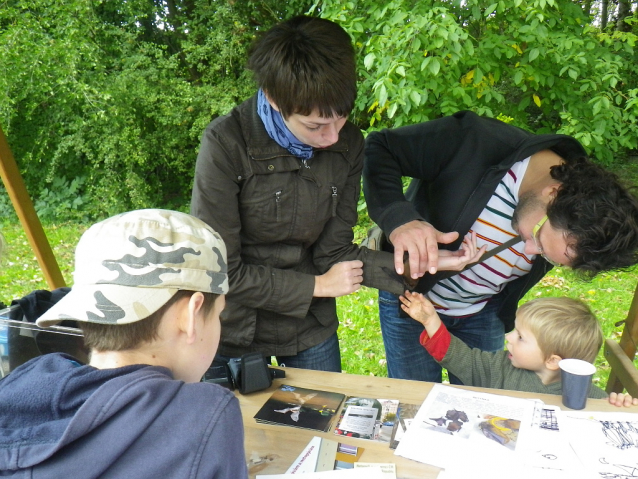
column 599, row 214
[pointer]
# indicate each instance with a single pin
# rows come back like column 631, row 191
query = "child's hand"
column 622, row 400
column 420, row 309
column 467, row 254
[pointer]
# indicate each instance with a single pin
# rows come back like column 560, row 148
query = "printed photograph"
column 300, row 407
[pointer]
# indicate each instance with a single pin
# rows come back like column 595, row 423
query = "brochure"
column 389, row 470
column 322, row 454
column 453, row 423
column 300, row 407
column 368, row 418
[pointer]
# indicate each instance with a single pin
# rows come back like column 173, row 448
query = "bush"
column 110, row 98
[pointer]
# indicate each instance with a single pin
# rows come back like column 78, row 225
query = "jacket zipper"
column 278, row 204
column 334, row 201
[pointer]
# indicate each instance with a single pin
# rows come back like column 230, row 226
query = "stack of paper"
column 323, row 458
column 325, row 455
column 472, row 434
column 454, row 423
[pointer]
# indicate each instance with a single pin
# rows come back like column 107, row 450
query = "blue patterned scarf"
column 278, row 131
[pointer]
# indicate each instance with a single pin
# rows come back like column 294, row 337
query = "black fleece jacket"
column 457, row 162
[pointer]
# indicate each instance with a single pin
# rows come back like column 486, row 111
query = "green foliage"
column 361, row 344
column 115, row 95
column 540, row 62
column 62, row 198
column 118, row 93
column 7, row 212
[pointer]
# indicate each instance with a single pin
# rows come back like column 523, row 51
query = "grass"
column 609, row 295
column 19, row 269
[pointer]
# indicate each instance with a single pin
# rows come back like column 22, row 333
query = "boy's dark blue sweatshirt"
column 62, row 420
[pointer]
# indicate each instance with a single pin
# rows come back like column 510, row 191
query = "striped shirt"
column 468, row 292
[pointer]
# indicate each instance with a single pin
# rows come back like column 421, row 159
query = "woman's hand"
column 468, row 253
column 342, row 279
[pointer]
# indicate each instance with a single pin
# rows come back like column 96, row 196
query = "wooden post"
column 23, row 205
column 626, row 346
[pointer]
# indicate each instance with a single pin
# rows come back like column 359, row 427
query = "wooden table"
column 272, row 449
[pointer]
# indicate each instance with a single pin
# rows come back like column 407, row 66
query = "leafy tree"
column 104, row 101
column 109, row 99
column 540, row 63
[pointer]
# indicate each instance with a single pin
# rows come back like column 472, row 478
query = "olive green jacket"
column 284, row 220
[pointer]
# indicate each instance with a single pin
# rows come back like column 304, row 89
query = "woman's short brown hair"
column 306, row 64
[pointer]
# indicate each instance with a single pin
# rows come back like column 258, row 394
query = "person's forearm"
column 432, row 325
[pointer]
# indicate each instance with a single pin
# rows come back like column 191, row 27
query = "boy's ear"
column 196, row 302
column 194, row 309
column 552, row 362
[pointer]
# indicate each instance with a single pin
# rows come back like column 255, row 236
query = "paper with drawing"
column 606, row 443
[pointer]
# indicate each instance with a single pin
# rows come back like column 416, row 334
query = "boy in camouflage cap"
column 149, row 286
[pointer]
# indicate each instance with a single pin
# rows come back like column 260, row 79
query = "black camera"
column 247, row 374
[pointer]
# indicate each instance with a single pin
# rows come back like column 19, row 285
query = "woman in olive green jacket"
column 279, row 179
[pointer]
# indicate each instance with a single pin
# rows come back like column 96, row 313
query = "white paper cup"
column 576, row 379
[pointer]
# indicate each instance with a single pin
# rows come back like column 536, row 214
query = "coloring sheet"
column 547, row 447
column 606, row 443
column 510, row 467
column 545, row 453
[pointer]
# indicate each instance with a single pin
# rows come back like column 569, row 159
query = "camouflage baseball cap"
column 130, row 265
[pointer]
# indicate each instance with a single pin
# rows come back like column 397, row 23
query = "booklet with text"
column 368, row 418
column 322, row 454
